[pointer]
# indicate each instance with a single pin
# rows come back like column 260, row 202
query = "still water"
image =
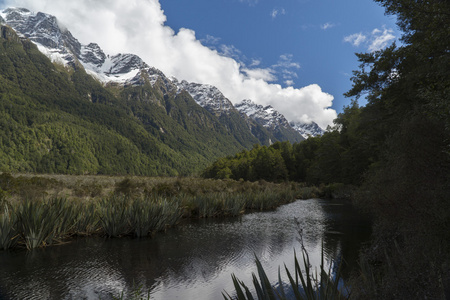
column 192, row 261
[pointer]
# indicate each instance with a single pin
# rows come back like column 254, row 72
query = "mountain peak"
column 307, row 130
column 270, row 119
column 206, row 95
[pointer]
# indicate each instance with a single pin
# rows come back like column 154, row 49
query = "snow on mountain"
column 60, row 46
column 272, row 119
column 207, row 96
column 307, row 130
column 43, row 29
column 57, row 43
column 267, row 116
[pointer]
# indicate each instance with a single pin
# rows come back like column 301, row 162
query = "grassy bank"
column 37, row 211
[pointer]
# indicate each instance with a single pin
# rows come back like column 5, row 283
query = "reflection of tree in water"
column 347, row 229
column 191, row 254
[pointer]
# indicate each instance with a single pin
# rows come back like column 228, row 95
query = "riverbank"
column 42, row 210
column 193, row 260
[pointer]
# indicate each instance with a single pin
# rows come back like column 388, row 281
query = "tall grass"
column 65, row 206
column 150, row 215
column 217, row 204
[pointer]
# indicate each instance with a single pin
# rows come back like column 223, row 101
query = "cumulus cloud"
column 257, row 73
column 138, row 26
column 374, row 41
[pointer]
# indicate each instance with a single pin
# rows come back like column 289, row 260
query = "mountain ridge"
column 122, row 69
column 72, row 108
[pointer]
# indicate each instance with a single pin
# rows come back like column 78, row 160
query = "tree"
column 406, row 126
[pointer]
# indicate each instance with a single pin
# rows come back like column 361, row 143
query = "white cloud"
column 327, row 26
column 355, row 39
column 286, row 62
column 264, row 74
column 211, row 40
column 255, row 62
column 138, row 26
column 380, row 39
column 289, row 82
column 277, row 12
column 232, row 52
column 374, row 41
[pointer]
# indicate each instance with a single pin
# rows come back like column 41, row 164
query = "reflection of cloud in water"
column 192, row 261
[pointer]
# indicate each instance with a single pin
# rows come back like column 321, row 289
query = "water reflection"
column 192, row 261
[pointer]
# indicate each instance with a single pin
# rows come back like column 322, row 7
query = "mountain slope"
column 56, row 119
column 128, row 69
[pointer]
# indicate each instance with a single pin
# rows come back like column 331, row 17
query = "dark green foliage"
column 406, row 126
column 396, row 149
column 261, row 162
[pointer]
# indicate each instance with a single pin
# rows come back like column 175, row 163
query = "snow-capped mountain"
column 60, row 46
column 57, row 43
column 207, row 96
column 43, row 29
column 307, row 130
column 269, row 118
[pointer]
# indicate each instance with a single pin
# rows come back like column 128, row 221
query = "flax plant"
column 113, row 216
column 8, row 233
column 87, row 219
column 233, row 204
column 264, row 200
column 304, row 284
column 40, row 222
column 171, row 213
column 150, row 215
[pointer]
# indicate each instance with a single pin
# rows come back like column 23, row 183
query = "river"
column 195, row 260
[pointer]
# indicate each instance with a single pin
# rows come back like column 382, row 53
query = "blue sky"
column 296, row 55
column 311, row 33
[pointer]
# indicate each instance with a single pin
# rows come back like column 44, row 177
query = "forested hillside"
column 56, row 119
column 396, row 149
